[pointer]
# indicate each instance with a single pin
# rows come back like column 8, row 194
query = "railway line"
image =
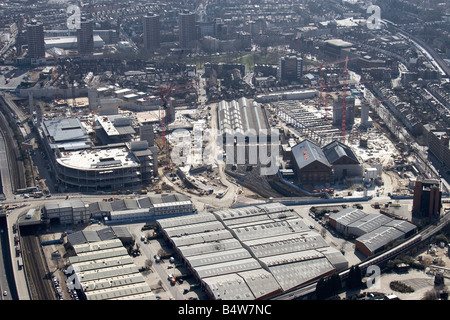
column 38, row 277
column 15, row 160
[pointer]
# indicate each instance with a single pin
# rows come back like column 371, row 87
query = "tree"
column 354, row 278
column 149, row 263
column 431, row 295
column 358, row 277
column 335, row 284
column 327, row 287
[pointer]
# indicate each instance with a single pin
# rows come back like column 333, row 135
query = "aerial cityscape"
column 231, row 150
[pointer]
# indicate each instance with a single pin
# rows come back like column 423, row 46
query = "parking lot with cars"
column 167, row 276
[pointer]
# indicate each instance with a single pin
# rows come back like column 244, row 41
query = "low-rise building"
column 344, row 161
column 373, row 232
column 310, row 163
column 105, row 271
column 252, row 252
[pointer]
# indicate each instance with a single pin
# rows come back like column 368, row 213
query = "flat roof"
column 115, row 125
column 99, row 159
column 150, row 116
column 65, row 130
column 339, row 43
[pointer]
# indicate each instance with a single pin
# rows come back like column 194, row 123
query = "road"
column 230, row 196
column 6, row 276
column 160, row 268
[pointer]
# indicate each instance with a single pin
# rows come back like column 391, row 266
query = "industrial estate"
column 225, row 150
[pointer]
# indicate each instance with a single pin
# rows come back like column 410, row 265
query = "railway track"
column 38, row 277
column 15, row 160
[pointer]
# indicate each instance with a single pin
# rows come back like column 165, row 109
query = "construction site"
column 149, row 126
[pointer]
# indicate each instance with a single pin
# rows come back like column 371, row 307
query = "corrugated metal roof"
column 121, row 232
column 286, row 244
column 227, row 268
column 202, row 238
column 294, row 274
column 335, row 257
column 260, row 282
column 348, row 216
column 209, row 247
column 401, row 225
column 106, row 234
column 76, row 238
column 306, row 152
column 368, row 223
column 380, row 237
column 219, row 257
column 336, row 150
column 106, row 271
column 184, row 220
column 197, row 228
column 229, row 287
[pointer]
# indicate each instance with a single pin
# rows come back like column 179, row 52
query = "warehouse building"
column 310, row 163
column 377, row 240
column 373, row 232
column 241, row 117
column 235, row 252
column 246, row 285
column 104, row 271
column 344, row 161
